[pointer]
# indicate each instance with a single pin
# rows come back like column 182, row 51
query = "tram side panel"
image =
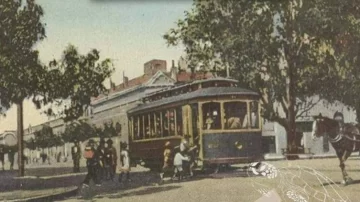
column 150, row 152
column 230, row 148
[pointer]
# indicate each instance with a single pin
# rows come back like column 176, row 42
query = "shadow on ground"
column 147, row 182
column 354, row 182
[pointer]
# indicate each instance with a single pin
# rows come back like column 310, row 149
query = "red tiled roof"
column 131, row 83
column 181, row 77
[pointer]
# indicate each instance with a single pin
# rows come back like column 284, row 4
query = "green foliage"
column 45, row 138
column 20, row 70
column 73, row 81
column 286, row 50
column 30, row 144
column 80, row 130
column 75, row 78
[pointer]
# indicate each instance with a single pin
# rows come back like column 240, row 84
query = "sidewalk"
column 43, row 183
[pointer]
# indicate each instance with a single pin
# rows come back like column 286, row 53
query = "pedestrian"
column 101, row 150
column 184, row 145
column 76, row 155
column 110, row 160
column 92, row 163
column 125, row 161
column 178, row 165
column 11, row 157
column 167, row 160
column 2, row 157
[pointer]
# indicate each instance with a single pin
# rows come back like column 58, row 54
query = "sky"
column 129, row 32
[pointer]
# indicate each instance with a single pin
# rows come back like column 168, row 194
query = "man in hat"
column 101, row 150
column 76, row 155
column 110, row 159
column 92, row 163
column 125, row 161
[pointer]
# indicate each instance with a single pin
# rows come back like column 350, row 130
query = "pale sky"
column 128, row 32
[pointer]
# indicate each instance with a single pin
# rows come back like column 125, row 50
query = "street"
column 301, row 180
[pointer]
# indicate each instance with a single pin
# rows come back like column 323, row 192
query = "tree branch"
column 308, row 108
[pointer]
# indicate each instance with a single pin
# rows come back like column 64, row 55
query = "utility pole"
column 20, row 137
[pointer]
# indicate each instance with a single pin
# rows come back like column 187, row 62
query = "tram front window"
column 254, row 118
column 235, row 115
column 211, row 115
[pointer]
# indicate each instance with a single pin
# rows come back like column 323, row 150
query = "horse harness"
column 341, row 134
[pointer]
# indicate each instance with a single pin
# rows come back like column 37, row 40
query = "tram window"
column 172, row 122
column 179, row 121
column 254, row 114
column 136, row 134
column 157, row 125
column 165, row 125
column 211, row 115
column 152, row 125
column 208, row 84
column 141, row 122
column 235, row 115
column 147, row 126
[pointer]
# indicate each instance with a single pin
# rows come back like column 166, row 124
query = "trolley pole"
column 20, row 137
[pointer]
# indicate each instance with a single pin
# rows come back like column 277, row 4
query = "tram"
column 222, row 119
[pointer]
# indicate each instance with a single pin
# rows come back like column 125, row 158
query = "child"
column 167, row 160
column 125, row 161
column 178, row 160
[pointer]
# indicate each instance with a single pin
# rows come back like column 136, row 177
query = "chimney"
column 173, row 71
column 126, row 81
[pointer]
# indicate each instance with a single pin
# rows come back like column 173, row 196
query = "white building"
column 274, row 135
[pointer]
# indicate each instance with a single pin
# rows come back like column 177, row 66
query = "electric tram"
column 222, row 120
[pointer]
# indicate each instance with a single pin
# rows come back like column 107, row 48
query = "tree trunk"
column 20, row 136
column 291, row 116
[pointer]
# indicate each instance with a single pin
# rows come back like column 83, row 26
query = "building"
column 274, row 135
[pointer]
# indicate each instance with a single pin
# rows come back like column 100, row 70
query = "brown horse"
column 345, row 139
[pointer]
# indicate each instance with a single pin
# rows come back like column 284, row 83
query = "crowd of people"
column 101, row 161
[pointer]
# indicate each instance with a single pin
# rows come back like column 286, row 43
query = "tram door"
column 187, row 122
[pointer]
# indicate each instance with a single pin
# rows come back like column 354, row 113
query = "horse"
column 345, row 139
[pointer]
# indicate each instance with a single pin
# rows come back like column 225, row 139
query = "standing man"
column 11, row 157
column 2, row 157
column 101, row 150
column 125, row 161
column 92, row 163
column 111, row 159
column 76, row 155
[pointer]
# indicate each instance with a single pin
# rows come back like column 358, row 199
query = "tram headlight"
column 238, row 145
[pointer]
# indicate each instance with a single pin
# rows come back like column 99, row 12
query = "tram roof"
column 200, row 93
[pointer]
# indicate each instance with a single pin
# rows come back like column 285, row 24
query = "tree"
column 45, row 137
column 285, row 50
column 80, row 130
column 76, row 78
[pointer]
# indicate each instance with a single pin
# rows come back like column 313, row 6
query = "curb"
column 59, row 196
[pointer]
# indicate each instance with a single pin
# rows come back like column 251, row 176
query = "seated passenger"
column 209, row 121
column 234, row 123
